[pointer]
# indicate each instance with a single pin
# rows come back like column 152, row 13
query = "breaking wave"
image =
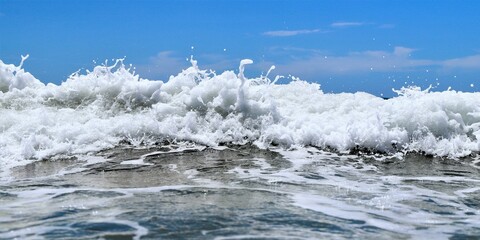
column 111, row 105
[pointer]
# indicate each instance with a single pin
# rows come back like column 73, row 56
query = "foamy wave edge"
column 111, row 104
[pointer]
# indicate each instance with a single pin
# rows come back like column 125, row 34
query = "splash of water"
column 111, row 104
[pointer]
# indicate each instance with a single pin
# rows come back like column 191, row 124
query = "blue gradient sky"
column 346, row 46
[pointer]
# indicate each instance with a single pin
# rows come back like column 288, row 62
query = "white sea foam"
column 100, row 108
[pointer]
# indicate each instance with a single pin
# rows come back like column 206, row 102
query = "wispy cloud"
column 317, row 63
column 334, row 25
column 167, row 63
column 217, row 62
column 162, row 65
column 313, row 63
column 386, row 26
column 288, row 33
column 346, row 24
column 356, row 62
column 468, row 62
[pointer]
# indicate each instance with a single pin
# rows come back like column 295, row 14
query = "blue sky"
column 346, row 46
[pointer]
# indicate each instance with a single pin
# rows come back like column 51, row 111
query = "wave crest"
column 110, row 104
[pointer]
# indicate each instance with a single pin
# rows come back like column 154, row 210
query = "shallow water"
column 187, row 191
column 108, row 154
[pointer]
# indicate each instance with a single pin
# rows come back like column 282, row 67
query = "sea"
column 107, row 154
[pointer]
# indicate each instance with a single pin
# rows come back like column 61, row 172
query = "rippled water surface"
column 241, row 192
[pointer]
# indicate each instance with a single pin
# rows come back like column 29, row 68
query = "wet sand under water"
column 241, row 192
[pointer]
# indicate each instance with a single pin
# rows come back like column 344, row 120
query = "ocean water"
column 109, row 155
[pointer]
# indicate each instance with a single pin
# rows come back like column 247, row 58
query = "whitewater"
column 101, row 108
column 108, row 154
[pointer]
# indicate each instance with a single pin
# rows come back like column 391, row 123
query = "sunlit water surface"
column 185, row 191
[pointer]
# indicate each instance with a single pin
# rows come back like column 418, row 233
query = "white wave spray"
column 110, row 104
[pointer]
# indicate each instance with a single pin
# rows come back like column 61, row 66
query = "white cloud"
column 165, row 64
column 347, row 24
column 317, row 63
column 162, row 65
column 311, row 63
column 217, row 62
column 355, row 62
column 402, row 51
column 469, row 62
column 288, row 33
column 386, row 26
